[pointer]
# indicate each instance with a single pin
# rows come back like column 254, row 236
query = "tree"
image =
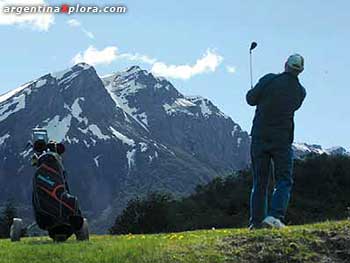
column 145, row 215
column 9, row 212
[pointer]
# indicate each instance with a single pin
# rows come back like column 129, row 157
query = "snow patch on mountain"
column 206, row 106
column 142, row 117
column 40, row 83
column 133, row 70
column 193, row 105
column 11, row 93
column 143, row 146
column 72, row 140
column 77, row 111
column 235, row 130
column 184, row 103
column 58, row 128
column 205, row 109
column 179, row 105
column 18, row 103
column 168, row 108
column 68, row 79
column 151, row 158
column 96, row 160
column 78, row 67
column 4, row 138
column 301, row 147
column 96, row 131
column 160, row 86
column 26, row 153
column 86, row 144
column 65, row 76
column 130, row 155
column 309, row 148
column 60, row 74
column 119, row 93
column 122, row 137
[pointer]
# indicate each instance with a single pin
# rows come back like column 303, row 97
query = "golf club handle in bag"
column 251, row 69
column 252, row 46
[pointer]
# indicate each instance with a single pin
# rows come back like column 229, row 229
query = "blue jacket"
column 276, row 97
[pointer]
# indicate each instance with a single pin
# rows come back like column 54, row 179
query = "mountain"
column 303, row 149
column 337, row 150
column 126, row 134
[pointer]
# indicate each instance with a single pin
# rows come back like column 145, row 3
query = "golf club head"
column 252, row 46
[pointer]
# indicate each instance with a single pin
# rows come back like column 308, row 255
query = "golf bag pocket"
column 50, row 196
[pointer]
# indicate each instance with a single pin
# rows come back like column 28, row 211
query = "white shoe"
column 273, row 222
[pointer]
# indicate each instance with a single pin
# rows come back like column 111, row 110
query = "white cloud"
column 40, row 22
column 108, row 55
column 76, row 23
column 93, row 56
column 73, row 23
column 231, row 69
column 208, row 63
column 138, row 57
column 89, row 34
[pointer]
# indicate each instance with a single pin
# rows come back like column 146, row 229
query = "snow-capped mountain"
column 126, row 134
column 303, row 149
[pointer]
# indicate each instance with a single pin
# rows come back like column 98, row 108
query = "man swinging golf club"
column 276, row 97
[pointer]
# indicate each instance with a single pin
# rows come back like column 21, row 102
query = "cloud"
column 208, row 63
column 73, row 23
column 93, row 56
column 108, row 55
column 76, row 23
column 231, row 69
column 40, row 22
column 137, row 57
column 89, row 34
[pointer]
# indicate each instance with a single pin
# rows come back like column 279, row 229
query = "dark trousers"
column 267, row 159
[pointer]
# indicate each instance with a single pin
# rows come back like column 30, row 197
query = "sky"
column 201, row 47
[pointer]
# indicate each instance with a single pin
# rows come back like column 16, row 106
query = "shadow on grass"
column 49, row 242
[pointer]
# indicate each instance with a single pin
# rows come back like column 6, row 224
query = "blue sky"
column 175, row 33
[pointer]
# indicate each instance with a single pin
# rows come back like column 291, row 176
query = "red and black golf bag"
column 55, row 209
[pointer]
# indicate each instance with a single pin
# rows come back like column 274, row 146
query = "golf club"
column 252, row 46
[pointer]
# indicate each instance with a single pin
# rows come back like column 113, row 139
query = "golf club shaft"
column 251, row 69
column 252, row 46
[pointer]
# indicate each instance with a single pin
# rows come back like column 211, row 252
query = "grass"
column 324, row 242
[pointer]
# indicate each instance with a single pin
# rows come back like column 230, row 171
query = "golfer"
column 276, row 97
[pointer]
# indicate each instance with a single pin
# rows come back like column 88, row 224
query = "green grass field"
column 325, row 242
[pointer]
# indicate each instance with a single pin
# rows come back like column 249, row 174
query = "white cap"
column 296, row 62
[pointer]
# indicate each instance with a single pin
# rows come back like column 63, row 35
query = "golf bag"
column 55, row 209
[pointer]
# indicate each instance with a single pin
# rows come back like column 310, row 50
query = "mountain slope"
column 126, row 134
column 188, row 123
